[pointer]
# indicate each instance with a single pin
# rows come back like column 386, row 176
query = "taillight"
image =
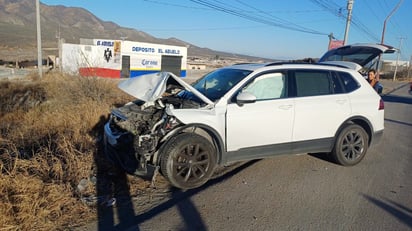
column 381, row 105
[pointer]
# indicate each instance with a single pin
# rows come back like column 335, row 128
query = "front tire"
column 351, row 145
column 188, row 160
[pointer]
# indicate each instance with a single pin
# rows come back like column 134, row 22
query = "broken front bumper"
column 119, row 148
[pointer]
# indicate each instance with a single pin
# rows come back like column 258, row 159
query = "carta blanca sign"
column 153, row 50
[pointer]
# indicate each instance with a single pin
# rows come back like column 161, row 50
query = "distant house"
column 390, row 65
column 196, row 66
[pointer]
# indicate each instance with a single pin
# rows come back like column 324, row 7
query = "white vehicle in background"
column 245, row 112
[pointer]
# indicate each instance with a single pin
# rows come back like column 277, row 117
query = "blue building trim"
column 137, row 73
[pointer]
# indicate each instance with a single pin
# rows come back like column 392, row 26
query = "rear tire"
column 188, row 160
column 351, row 145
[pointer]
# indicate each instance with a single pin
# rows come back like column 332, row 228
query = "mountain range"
column 18, row 31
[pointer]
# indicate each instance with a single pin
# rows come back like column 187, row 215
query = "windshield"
column 217, row 83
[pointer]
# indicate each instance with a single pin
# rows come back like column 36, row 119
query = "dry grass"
column 49, row 132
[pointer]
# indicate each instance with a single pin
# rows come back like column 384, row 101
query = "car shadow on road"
column 398, row 122
column 397, row 99
column 323, row 156
column 114, row 203
column 400, row 212
column 188, row 211
column 112, row 187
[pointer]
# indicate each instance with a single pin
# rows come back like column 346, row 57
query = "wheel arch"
column 201, row 129
column 361, row 121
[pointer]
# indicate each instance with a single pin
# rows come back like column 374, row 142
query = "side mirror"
column 245, row 97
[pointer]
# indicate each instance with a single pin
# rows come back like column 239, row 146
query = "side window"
column 349, row 83
column 337, row 84
column 268, row 86
column 312, row 83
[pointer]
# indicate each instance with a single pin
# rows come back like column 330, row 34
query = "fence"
column 10, row 73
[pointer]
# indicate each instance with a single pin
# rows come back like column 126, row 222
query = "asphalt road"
column 302, row 192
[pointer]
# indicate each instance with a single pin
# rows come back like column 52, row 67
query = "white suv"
column 244, row 112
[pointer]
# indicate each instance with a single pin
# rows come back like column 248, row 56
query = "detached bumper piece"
column 119, row 148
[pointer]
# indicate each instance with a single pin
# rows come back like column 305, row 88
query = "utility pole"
column 409, row 67
column 348, row 20
column 397, row 59
column 330, row 39
column 387, row 18
column 60, row 41
column 39, row 56
column 383, row 32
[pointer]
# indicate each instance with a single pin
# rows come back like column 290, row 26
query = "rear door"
column 320, row 105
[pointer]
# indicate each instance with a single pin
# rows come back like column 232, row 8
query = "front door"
column 267, row 121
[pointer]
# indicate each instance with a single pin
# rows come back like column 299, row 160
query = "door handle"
column 341, row 101
column 285, row 107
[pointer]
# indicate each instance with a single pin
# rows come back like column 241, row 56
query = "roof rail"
column 243, row 64
column 296, row 62
column 285, row 62
column 306, row 63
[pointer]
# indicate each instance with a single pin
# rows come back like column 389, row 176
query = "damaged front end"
column 134, row 132
column 132, row 135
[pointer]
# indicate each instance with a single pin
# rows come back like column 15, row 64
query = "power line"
column 282, row 23
column 337, row 11
column 268, row 21
column 167, row 3
column 204, row 29
column 372, row 9
column 383, row 7
column 271, row 16
column 362, row 28
column 327, row 6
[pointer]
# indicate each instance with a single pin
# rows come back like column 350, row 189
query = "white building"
column 122, row 59
column 390, row 65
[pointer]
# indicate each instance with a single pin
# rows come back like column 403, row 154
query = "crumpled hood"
column 151, row 87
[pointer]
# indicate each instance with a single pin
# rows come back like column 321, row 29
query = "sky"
column 277, row 29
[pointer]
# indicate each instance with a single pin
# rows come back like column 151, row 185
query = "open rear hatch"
column 360, row 53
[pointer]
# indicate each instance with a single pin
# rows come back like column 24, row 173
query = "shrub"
column 49, row 130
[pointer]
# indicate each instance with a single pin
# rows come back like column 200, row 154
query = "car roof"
column 246, row 66
column 287, row 64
